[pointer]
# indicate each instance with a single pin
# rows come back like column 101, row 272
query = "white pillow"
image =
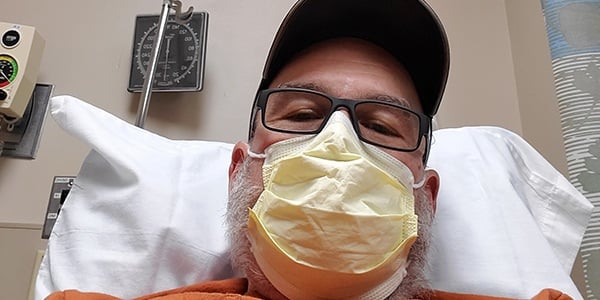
column 507, row 223
column 146, row 213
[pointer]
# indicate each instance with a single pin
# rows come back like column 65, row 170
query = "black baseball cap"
column 408, row 29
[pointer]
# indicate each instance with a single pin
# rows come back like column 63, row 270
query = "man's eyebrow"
column 381, row 97
column 309, row 86
column 391, row 99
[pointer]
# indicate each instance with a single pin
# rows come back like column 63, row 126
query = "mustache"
column 244, row 191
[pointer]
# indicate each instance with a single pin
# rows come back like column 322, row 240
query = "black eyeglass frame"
column 350, row 104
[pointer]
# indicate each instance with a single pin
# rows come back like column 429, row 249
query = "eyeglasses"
column 304, row 111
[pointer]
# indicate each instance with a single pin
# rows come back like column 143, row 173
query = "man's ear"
column 238, row 155
column 432, row 187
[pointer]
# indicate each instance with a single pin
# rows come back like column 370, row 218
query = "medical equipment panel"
column 21, row 50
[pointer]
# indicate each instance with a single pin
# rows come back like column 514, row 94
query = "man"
column 326, row 51
column 330, row 198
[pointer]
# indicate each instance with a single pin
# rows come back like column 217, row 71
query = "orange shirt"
column 238, row 289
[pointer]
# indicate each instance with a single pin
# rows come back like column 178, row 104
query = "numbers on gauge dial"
column 178, row 55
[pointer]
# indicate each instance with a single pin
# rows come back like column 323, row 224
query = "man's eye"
column 303, row 115
column 379, row 128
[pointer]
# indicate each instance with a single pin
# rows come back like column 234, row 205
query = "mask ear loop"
column 419, row 184
column 256, row 155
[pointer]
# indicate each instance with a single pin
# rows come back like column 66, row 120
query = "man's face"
column 350, row 69
column 344, row 68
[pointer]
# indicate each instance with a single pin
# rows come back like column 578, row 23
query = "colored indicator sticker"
column 8, row 70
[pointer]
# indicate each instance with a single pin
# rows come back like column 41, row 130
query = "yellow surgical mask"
column 336, row 218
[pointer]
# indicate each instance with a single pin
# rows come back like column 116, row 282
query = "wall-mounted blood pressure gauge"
column 180, row 64
column 8, row 70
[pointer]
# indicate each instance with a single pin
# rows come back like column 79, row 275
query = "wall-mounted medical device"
column 182, row 55
column 23, row 102
column 21, row 49
column 186, row 31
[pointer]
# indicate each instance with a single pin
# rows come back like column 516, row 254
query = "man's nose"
column 346, row 112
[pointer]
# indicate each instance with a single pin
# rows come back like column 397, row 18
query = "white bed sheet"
column 146, row 213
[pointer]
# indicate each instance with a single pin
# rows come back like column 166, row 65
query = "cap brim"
column 408, row 29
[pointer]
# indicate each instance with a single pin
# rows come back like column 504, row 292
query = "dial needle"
column 4, row 75
column 167, row 58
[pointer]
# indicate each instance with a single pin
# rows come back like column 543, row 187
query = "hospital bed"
column 146, row 213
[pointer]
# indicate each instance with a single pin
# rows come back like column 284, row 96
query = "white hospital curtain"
column 573, row 28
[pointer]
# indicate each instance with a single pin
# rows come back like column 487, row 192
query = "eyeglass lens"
column 379, row 123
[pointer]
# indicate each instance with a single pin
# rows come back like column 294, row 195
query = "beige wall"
column 481, row 89
column 500, row 75
column 501, row 71
column 18, row 247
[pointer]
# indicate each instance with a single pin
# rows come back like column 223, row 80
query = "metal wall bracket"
column 21, row 138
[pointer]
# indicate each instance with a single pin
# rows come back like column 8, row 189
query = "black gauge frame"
column 194, row 81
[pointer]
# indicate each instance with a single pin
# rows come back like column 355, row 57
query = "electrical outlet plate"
column 61, row 186
column 21, row 139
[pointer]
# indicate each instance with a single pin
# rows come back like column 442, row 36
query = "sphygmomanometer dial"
column 181, row 60
column 8, row 69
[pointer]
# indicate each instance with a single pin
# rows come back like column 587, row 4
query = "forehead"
column 349, row 68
